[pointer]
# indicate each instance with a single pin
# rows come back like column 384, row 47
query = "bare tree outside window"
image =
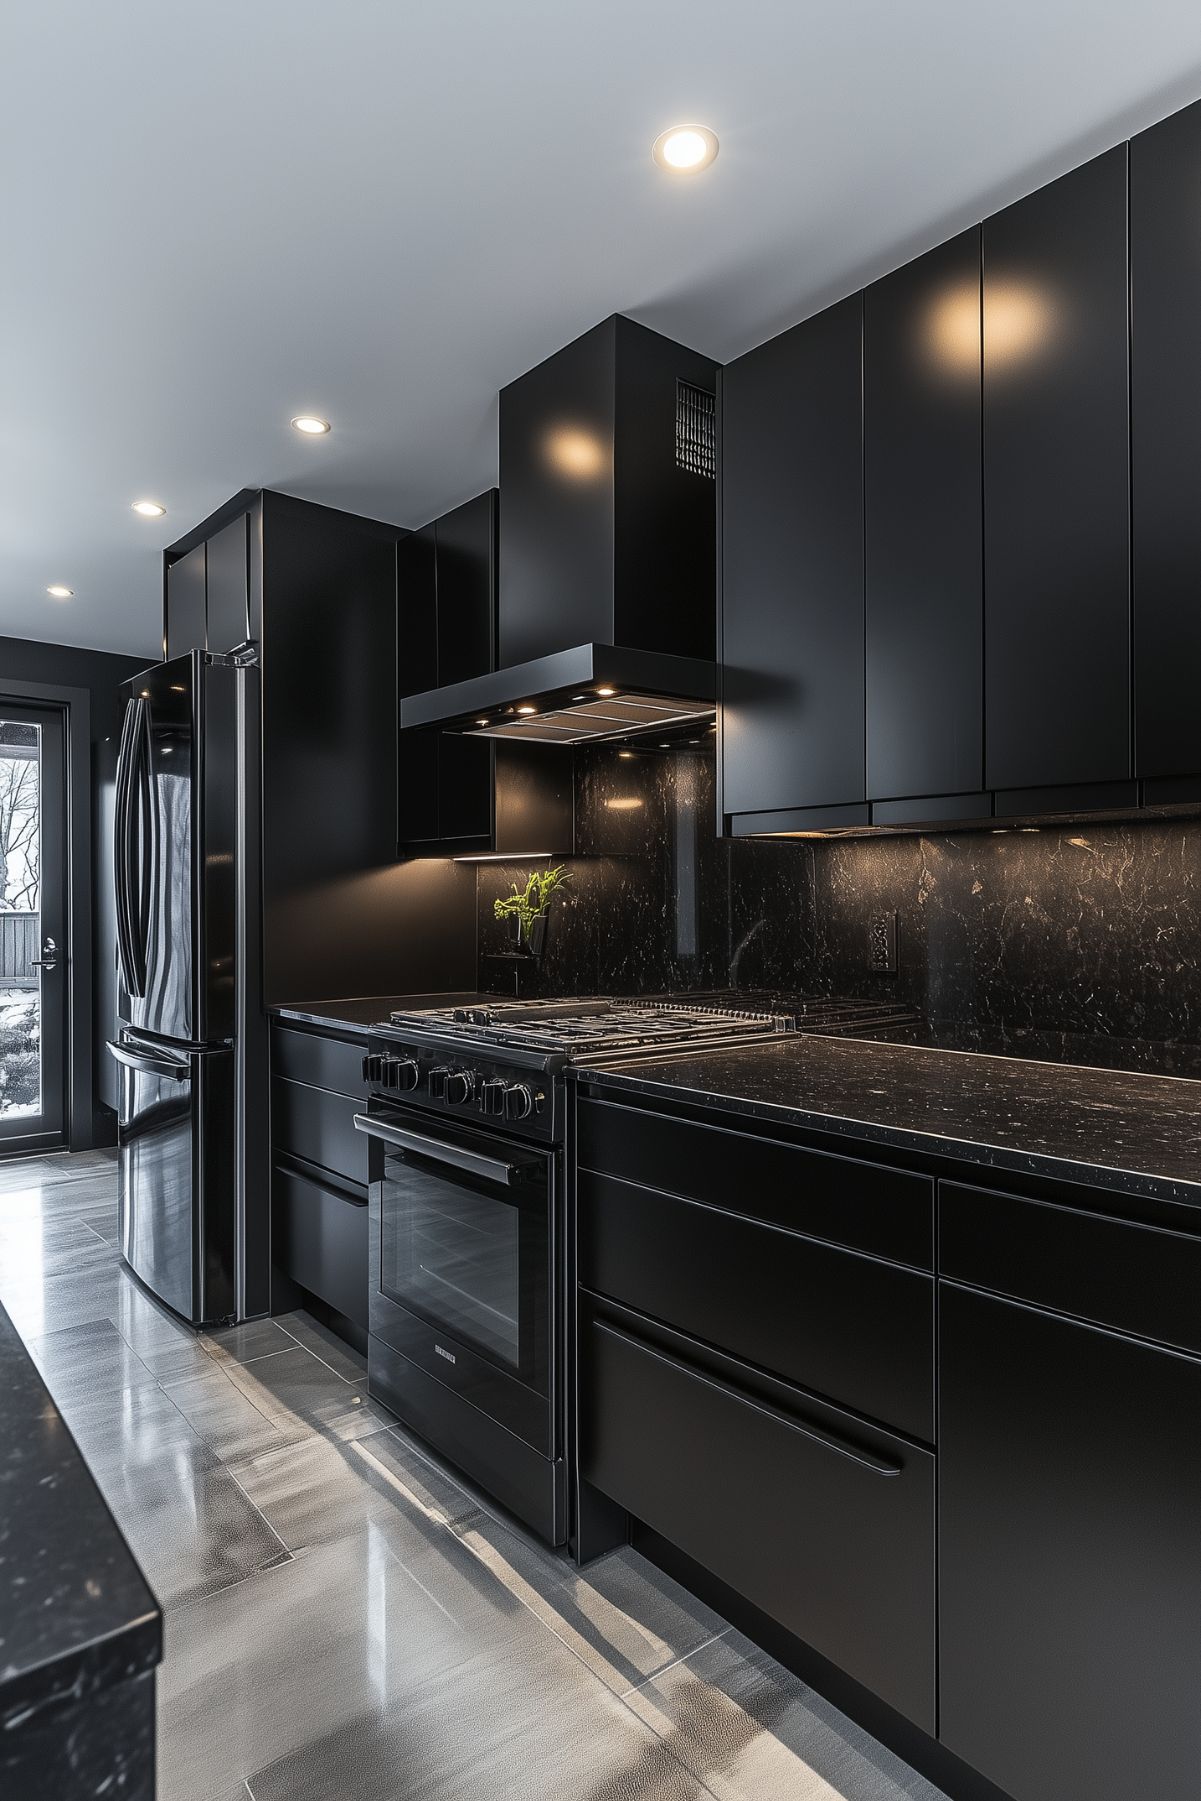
column 20, row 900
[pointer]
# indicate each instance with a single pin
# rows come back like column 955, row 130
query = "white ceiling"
column 215, row 215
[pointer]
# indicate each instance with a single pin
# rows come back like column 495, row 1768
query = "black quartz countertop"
column 362, row 1012
column 1135, row 1134
column 76, row 1615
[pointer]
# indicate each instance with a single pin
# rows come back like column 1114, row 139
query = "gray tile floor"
column 345, row 1618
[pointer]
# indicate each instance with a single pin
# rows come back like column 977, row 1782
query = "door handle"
column 176, row 1068
column 439, row 1152
column 48, row 958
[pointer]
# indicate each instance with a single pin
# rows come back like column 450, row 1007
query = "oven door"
column 461, row 1257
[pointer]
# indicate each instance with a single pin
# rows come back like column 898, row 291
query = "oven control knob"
column 519, row 1101
column 402, row 1073
column 438, row 1077
column 460, row 1087
column 492, row 1096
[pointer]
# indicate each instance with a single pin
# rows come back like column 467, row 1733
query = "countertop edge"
column 1137, row 1184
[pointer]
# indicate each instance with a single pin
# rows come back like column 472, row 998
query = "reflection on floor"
column 344, row 1618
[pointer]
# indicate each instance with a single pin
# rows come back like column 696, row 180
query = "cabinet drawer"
column 1134, row 1278
column 824, row 1524
column 318, row 1126
column 323, row 1062
column 853, row 1328
column 866, row 1206
column 321, row 1242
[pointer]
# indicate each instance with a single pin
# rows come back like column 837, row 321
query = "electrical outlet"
column 882, row 943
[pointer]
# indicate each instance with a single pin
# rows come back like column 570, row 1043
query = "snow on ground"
column 20, row 1052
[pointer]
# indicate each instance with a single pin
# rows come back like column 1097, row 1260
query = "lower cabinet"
column 822, row 1521
column 321, row 1241
column 1070, row 1556
column 319, row 1173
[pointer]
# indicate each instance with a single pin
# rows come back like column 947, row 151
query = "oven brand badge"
column 449, row 1355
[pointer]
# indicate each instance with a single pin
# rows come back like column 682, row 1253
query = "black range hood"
column 606, row 623
column 578, row 696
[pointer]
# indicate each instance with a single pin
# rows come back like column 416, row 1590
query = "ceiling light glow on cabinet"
column 311, row 424
column 148, row 509
column 58, row 592
column 685, row 149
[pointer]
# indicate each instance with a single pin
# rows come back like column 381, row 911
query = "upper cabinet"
column 459, row 795
column 923, row 538
column 791, row 616
column 446, row 620
column 974, row 592
column 207, row 602
column 184, row 612
column 1165, row 376
column 1057, row 484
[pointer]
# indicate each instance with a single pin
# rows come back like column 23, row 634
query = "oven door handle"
column 439, row 1152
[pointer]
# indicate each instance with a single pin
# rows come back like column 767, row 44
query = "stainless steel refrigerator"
column 187, row 923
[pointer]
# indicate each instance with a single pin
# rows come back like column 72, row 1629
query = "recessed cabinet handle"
column 831, row 1441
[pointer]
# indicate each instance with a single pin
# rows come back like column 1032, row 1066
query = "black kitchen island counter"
column 80, row 1631
column 1138, row 1135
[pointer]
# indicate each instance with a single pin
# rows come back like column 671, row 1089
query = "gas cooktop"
column 576, row 1028
column 579, row 1027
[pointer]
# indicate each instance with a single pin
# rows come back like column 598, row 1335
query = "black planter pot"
column 528, row 943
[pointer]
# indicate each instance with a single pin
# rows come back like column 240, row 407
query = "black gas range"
column 465, row 1113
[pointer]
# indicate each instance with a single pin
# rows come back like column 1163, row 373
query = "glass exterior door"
column 33, row 951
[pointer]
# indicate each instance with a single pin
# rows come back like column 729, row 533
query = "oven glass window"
column 450, row 1248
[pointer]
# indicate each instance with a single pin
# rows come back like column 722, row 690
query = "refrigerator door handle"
column 139, row 849
column 123, row 851
column 150, row 1063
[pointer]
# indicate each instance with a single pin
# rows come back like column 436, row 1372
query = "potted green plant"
column 526, row 909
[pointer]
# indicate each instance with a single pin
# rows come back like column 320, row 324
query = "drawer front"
column 321, row 1242
column 318, row 1126
column 1133, row 1278
column 321, row 1061
column 855, row 1329
column 866, row 1206
column 832, row 1536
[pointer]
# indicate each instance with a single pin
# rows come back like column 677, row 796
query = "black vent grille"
column 696, row 430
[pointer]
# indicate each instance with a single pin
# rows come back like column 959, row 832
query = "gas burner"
column 574, row 1028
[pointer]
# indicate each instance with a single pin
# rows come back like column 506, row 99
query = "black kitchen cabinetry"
column 1165, row 279
column 791, row 613
column 459, row 795
column 1015, row 1574
column 1031, row 422
column 314, row 589
column 184, row 610
column 765, row 1403
column 924, row 611
column 319, row 1173
column 1057, row 483
column 1070, row 1564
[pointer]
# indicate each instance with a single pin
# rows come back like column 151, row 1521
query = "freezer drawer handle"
column 870, row 1460
column 472, row 1161
column 150, row 1065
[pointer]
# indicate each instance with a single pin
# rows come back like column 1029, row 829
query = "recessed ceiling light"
column 685, row 148
column 606, row 693
column 527, row 709
column 481, row 722
column 57, row 592
column 149, row 509
column 311, row 424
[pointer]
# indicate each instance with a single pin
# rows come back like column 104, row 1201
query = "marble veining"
column 1133, row 1134
column 1080, row 943
column 76, row 1614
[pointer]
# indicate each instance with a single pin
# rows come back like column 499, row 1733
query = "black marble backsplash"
column 1079, row 943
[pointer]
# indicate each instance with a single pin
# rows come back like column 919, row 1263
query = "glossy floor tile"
column 347, row 1617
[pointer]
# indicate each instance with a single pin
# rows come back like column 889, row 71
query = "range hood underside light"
column 598, row 719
